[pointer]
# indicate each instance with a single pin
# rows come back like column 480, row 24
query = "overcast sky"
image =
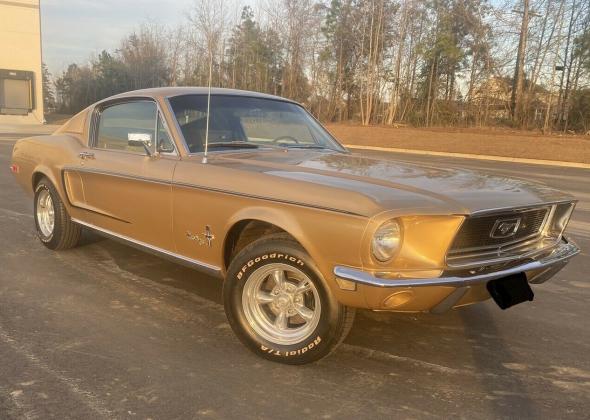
column 74, row 29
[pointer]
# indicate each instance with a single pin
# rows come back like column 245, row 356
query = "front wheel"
column 278, row 305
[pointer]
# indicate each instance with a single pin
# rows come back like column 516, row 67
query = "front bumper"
column 538, row 270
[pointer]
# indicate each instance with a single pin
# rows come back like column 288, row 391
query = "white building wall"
column 20, row 49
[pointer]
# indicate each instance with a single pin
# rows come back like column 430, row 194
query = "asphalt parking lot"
column 106, row 331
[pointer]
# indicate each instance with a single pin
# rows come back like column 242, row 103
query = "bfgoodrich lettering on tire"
column 277, row 303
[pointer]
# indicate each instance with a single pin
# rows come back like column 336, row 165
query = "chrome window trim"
column 185, row 144
column 95, row 119
column 205, row 267
column 177, row 126
column 160, row 117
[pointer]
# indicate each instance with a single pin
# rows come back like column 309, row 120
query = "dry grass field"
column 495, row 142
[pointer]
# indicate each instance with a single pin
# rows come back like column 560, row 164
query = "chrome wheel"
column 45, row 213
column 281, row 304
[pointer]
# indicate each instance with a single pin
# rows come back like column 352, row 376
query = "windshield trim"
column 276, row 99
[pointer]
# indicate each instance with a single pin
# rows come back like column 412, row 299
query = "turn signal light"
column 398, row 299
column 14, row 168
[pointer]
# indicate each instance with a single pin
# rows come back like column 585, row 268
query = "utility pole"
column 518, row 81
column 563, row 96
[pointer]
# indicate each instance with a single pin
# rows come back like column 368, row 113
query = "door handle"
column 86, row 155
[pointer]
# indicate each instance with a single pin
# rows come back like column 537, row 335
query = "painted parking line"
column 472, row 156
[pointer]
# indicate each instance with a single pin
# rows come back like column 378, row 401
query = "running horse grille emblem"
column 202, row 238
column 505, row 228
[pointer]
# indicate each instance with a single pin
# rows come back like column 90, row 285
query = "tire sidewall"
column 318, row 343
column 52, row 240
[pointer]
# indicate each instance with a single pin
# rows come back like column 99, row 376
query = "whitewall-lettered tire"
column 277, row 303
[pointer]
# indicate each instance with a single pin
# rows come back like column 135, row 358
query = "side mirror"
column 140, row 140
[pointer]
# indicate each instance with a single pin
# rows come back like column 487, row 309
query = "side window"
column 165, row 144
column 120, row 126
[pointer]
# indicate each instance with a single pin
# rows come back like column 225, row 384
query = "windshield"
column 238, row 122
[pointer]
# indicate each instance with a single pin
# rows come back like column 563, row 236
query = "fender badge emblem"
column 202, row 238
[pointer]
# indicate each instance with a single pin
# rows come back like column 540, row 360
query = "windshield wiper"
column 249, row 145
column 303, row 146
column 236, row 144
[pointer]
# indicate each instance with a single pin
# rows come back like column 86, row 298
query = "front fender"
column 272, row 216
column 328, row 237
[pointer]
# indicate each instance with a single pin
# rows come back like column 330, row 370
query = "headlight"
column 386, row 241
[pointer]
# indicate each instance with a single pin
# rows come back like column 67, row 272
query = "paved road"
column 105, row 331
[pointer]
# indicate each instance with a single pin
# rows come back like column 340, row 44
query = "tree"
column 580, row 111
column 434, row 62
column 456, row 33
column 582, row 50
column 295, row 16
column 254, row 56
column 48, row 97
column 208, row 23
column 112, row 75
column 518, row 83
column 341, row 54
column 376, row 33
column 144, row 55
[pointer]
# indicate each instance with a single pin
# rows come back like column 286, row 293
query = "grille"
column 476, row 232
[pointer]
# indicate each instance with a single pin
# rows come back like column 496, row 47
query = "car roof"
column 168, row 92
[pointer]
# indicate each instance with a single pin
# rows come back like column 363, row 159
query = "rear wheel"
column 55, row 228
column 279, row 306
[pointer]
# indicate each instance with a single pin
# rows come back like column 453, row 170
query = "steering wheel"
column 290, row 138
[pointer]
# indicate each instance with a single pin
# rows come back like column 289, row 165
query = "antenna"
column 208, row 107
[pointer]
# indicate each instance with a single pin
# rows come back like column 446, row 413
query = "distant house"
column 495, row 94
column 21, row 80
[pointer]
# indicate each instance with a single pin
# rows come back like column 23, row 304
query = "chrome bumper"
column 538, row 271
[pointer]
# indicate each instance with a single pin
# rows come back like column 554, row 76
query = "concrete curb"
column 471, row 156
column 28, row 128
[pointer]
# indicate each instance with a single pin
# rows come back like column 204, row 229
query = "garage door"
column 15, row 94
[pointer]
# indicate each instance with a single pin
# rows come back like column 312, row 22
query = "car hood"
column 390, row 184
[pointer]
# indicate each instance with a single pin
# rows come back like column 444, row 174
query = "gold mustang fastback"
column 252, row 189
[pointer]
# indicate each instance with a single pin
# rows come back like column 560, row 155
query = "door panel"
column 124, row 190
column 130, row 195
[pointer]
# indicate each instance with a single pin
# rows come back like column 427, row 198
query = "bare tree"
column 441, row 62
column 208, row 21
column 556, row 58
column 518, row 82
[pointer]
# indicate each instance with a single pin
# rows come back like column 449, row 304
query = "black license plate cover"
column 511, row 290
